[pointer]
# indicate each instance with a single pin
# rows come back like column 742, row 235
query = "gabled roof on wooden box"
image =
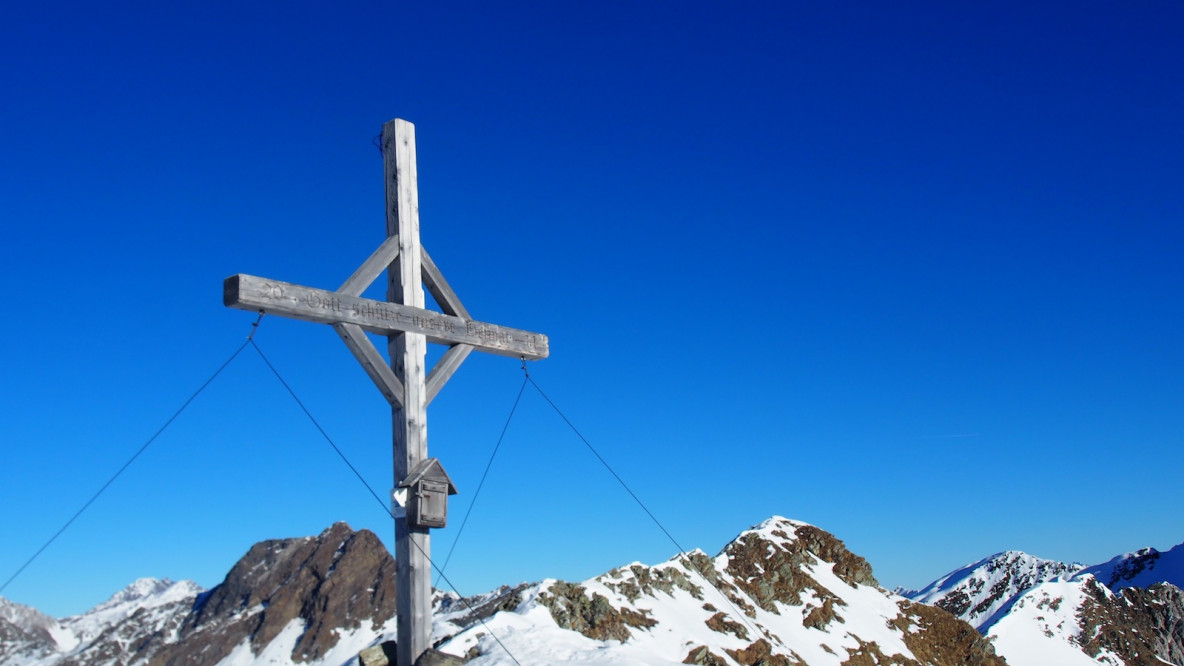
column 429, row 469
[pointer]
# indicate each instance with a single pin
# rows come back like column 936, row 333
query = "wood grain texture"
column 409, row 327
column 440, row 289
column 256, row 294
column 370, row 269
column 408, row 350
column 445, row 367
column 372, row 362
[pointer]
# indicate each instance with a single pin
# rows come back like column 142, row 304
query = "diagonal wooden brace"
column 372, row 362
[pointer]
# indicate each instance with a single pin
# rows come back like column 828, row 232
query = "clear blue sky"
column 911, row 272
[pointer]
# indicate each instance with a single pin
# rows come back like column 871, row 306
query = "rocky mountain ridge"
column 1123, row 611
column 1141, row 568
column 781, row 593
column 983, row 591
column 28, row 634
column 1081, row 622
column 325, row 585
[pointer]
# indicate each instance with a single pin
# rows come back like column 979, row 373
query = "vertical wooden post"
column 407, row 353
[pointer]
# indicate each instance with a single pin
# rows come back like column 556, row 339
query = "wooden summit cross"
column 408, row 327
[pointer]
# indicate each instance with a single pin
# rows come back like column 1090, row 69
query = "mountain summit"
column 782, row 593
column 983, row 591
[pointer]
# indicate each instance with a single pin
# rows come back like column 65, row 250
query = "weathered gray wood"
column 372, row 362
column 408, row 352
column 440, row 289
column 370, row 269
column 445, row 367
column 408, row 327
column 256, row 294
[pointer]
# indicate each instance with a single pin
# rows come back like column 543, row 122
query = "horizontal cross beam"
column 256, row 294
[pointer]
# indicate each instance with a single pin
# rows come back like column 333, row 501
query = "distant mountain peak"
column 28, row 633
column 769, row 562
column 1141, row 568
column 983, row 591
column 1128, row 610
column 147, row 592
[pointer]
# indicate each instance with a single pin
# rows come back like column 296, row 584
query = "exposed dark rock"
column 24, row 633
column 958, row 601
column 646, row 580
column 823, row 615
column 705, row 567
column 936, row 637
column 1015, row 574
column 869, row 654
column 593, row 617
column 704, row 657
column 720, row 623
column 1132, row 566
column 134, row 639
column 343, row 580
column 11, row 635
column 476, row 609
column 760, row 653
column 435, row 658
column 1163, row 607
column 770, row 572
column 337, row 580
column 383, row 654
column 983, row 592
column 1141, row 626
column 771, row 567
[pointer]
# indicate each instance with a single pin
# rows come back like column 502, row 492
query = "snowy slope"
column 104, row 635
column 983, row 591
column 28, row 636
column 143, row 596
column 783, row 592
column 30, row 620
column 1124, row 611
column 279, row 652
column 1042, row 628
column 1083, row 622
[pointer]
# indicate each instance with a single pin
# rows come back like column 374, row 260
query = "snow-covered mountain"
column 28, row 636
column 983, row 591
column 782, row 593
column 112, row 628
column 1141, row 568
column 145, row 598
column 1081, row 622
column 326, row 586
column 1127, row 610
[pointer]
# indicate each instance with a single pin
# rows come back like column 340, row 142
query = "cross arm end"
column 230, row 291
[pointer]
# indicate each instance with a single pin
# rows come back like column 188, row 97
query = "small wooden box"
column 428, row 488
column 429, row 504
